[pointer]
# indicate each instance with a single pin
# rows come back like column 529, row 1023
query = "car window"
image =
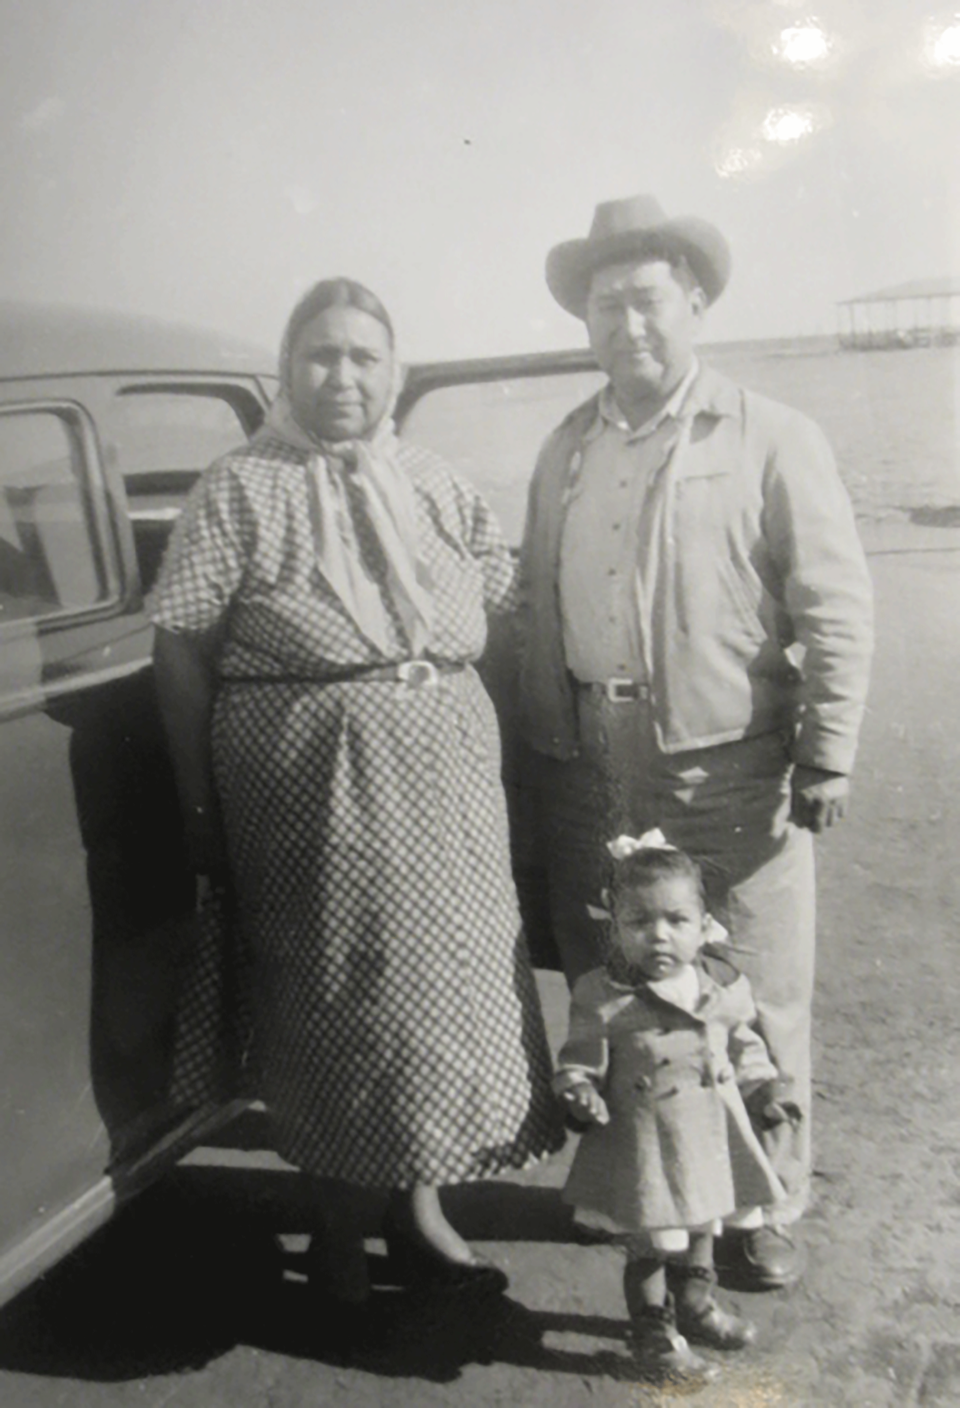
column 49, row 556
column 168, row 435
column 491, row 431
column 164, row 436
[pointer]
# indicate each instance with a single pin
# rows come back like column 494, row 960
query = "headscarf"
column 389, row 509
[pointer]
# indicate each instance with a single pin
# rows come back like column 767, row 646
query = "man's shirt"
column 609, row 543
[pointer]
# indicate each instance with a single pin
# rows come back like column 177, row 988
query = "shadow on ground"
column 204, row 1262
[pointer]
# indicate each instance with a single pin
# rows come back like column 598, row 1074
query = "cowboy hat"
column 622, row 229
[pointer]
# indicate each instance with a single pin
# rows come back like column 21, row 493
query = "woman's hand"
column 186, row 685
column 206, row 850
column 585, row 1103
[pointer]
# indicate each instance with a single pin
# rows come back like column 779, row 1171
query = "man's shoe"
column 772, row 1258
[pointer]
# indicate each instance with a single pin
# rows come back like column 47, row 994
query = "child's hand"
column 585, row 1103
column 768, row 1108
column 777, row 1112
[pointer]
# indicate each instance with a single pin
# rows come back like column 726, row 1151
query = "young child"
column 659, row 1058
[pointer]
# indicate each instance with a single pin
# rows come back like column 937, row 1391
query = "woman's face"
column 341, row 374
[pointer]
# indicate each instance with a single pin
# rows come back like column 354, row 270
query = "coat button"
column 643, row 1083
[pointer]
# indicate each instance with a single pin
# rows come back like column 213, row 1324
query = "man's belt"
column 617, row 689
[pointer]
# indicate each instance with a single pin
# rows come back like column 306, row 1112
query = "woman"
column 321, row 601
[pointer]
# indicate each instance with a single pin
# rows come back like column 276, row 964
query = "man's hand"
column 585, row 1103
column 819, row 798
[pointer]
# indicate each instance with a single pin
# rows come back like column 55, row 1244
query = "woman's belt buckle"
column 418, row 674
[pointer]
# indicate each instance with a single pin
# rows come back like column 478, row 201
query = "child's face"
column 659, row 926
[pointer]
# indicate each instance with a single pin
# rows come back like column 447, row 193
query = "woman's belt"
column 412, row 674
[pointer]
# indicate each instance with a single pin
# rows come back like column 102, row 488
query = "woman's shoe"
column 701, row 1318
column 418, row 1263
column 337, row 1270
column 661, row 1352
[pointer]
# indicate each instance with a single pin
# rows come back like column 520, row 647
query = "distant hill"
column 808, row 344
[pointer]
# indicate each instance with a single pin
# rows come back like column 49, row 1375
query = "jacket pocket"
column 744, row 598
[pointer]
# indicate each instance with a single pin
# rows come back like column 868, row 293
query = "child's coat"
column 679, row 1150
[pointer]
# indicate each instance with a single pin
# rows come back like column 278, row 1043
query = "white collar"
column 681, row 988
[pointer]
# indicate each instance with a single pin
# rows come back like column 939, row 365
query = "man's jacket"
column 762, row 608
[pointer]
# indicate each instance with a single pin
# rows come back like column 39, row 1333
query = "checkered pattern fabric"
column 397, row 1037
column 214, row 1019
column 246, row 540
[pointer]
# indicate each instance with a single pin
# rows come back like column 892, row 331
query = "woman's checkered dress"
column 397, row 1034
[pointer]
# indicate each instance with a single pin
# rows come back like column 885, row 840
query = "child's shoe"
column 662, row 1352
column 699, row 1315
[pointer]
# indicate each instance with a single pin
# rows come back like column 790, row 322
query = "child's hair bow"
column 625, row 846
column 654, row 840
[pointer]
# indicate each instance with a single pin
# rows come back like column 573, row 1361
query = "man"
column 697, row 634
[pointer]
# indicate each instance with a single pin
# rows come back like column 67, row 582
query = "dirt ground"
column 195, row 1297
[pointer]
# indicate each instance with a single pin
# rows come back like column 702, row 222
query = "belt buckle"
column 622, row 691
column 418, row 674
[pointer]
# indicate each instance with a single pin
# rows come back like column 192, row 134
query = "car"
column 106, row 420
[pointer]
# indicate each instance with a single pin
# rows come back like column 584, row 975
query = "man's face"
column 642, row 325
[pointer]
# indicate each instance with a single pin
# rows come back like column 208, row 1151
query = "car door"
column 61, row 601
column 488, row 418
column 93, row 875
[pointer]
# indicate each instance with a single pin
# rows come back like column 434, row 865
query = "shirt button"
column 616, row 527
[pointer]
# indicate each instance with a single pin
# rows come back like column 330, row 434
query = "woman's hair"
column 643, row 867
column 329, row 293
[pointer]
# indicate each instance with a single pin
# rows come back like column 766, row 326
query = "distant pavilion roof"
column 946, row 287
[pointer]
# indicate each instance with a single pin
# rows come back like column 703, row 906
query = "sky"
column 207, row 160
